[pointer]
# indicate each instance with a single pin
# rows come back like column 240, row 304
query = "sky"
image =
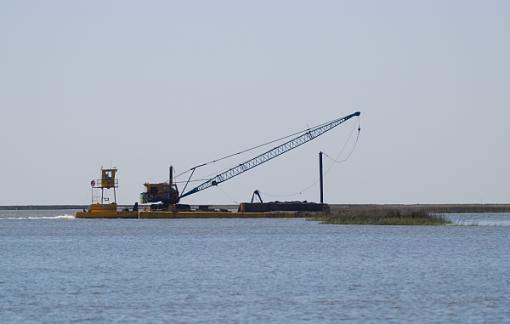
column 142, row 85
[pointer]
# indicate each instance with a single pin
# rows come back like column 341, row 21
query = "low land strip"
column 422, row 214
column 379, row 216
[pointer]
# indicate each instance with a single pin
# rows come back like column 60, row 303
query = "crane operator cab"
column 163, row 195
column 160, row 192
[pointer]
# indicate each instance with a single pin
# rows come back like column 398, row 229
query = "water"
column 59, row 269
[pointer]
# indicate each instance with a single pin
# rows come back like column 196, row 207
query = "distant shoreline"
column 44, row 207
column 433, row 208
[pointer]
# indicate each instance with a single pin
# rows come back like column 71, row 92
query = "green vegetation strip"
column 379, row 216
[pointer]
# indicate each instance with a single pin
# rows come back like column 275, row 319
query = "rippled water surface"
column 60, row 269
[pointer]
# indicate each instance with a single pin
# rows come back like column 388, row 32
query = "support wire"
column 248, row 150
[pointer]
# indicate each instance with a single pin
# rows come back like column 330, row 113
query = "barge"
column 165, row 196
column 161, row 214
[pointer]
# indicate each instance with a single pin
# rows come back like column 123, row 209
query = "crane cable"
column 334, row 160
column 230, row 197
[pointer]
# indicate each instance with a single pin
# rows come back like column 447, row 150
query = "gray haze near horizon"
column 144, row 84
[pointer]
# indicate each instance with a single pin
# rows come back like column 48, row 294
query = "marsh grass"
column 379, row 216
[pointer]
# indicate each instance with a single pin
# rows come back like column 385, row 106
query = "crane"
column 158, row 192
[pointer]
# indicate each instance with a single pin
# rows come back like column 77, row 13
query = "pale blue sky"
column 145, row 84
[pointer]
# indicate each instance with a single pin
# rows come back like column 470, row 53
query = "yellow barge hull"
column 111, row 211
column 183, row 214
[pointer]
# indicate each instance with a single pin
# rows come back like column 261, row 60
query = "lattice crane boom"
column 304, row 138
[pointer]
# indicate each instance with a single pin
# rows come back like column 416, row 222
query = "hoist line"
column 329, row 168
column 335, row 160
